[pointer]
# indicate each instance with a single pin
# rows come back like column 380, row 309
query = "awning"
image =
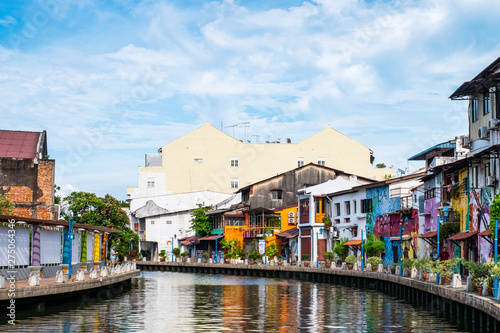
column 189, row 241
column 291, row 233
column 462, row 235
column 211, row 238
column 486, row 233
column 353, row 242
column 352, row 227
column 65, row 224
column 405, row 237
column 430, row 234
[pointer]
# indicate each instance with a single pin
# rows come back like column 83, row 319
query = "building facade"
column 209, row 159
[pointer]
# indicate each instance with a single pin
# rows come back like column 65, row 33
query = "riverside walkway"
column 48, row 290
column 481, row 313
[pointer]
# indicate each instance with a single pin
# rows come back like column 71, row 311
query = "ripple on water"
column 178, row 302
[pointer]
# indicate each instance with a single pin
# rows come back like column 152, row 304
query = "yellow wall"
column 257, row 161
column 461, row 203
column 482, row 118
column 232, row 232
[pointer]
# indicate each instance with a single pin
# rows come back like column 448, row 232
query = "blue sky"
column 113, row 80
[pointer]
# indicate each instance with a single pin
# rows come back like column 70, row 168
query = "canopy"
column 462, row 235
column 353, row 242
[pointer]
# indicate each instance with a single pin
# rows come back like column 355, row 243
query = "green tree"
column 125, row 242
column 381, row 166
column 200, row 222
column 57, row 198
column 90, row 209
column 6, row 207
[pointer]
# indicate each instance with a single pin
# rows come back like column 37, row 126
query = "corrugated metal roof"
column 441, row 146
column 18, row 144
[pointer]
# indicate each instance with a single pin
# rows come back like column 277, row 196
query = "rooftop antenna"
column 245, row 124
column 256, row 137
column 233, row 126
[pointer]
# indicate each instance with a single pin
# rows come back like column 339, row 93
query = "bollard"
column 80, row 275
column 104, row 272
column 2, row 281
column 93, row 273
column 368, row 267
column 60, row 277
column 456, row 281
column 344, row 266
column 34, row 279
column 398, row 271
column 355, row 267
column 432, row 278
column 468, row 283
column 485, row 289
column 414, row 273
column 380, row 268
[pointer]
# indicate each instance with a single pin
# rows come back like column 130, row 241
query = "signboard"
column 262, row 246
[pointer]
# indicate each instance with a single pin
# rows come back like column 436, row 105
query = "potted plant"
column 350, row 261
column 254, row 257
column 279, row 257
column 328, row 259
column 408, row 264
column 184, row 256
column 305, row 258
column 374, row 262
column 393, row 267
column 423, row 265
column 177, row 252
column 162, row 255
column 204, row 257
column 327, row 221
column 341, row 250
column 445, row 269
column 272, row 250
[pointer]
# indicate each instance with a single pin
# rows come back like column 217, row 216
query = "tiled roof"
column 19, row 144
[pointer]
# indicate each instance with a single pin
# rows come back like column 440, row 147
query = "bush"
column 279, row 257
column 394, row 264
column 351, row 259
column 422, row 263
column 374, row 261
column 162, row 253
column 184, row 254
column 204, row 255
column 341, row 250
column 329, row 256
column 327, row 221
column 374, row 246
column 272, row 249
column 306, row 257
column 177, row 251
column 408, row 263
column 255, row 256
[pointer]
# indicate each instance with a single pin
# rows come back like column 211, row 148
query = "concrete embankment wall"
column 466, row 309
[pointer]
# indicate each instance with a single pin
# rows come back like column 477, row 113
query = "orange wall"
column 232, row 232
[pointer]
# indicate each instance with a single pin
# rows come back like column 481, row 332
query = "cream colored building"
column 209, row 159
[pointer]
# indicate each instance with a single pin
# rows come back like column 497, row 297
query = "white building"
column 164, row 219
column 314, row 239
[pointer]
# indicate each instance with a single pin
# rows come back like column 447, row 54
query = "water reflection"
column 176, row 302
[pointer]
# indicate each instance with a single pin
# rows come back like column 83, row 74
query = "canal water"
column 179, row 302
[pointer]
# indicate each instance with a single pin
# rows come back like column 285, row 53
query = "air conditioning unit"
column 492, row 124
column 335, row 234
column 465, row 142
column 482, row 132
column 490, row 181
column 291, row 220
column 291, row 214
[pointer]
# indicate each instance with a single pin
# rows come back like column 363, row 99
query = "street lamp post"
column 495, row 285
column 362, row 252
column 175, row 237
column 70, row 236
column 445, row 216
column 317, row 246
column 401, row 241
column 216, row 253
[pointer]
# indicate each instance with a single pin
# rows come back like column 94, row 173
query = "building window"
column 152, row 222
column 198, row 160
column 354, row 204
column 151, row 184
column 337, row 209
column 321, row 161
column 366, row 205
column 497, row 102
column 234, row 183
column 474, row 111
column 347, row 205
column 234, row 162
column 235, row 221
column 487, row 170
column 474, row 177
column 300, row 162
column 277, row 194
column 486, row 104
column 168, row 222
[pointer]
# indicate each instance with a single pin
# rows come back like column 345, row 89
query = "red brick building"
column 26, row 174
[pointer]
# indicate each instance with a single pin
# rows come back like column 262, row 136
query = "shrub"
column 327, row 221
column 184, row 254
column 306, row 257
column 341, row 250
column 394, row 264
column 254, row 255
column 329, row 256
column 374, row 246
column 422, row 263
column 374, row 261
column 177, row 251
column 162, row 253
column 351, row 259
column 272, row 249
column 204, row 255
column 408, row 263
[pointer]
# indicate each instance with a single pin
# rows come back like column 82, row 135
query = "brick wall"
column 30, row 186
